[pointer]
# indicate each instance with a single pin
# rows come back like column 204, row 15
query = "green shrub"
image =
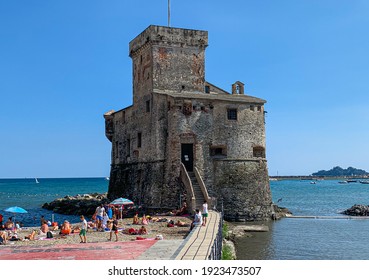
column 227, row 253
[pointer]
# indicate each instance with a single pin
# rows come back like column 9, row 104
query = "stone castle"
column 185, row 139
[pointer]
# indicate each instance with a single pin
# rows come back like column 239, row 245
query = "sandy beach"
column 93, row 236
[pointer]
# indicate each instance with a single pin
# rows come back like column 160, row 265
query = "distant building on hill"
column 185, row 138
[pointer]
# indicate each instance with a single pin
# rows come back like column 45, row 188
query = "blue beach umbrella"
column 15, row 210
column 121, row 201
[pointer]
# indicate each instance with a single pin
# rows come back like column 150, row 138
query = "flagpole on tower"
column 168, row 13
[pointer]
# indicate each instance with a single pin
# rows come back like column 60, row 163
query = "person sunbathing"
column 144, row 220
column 142, row 230
column 65, row 229
column 9, row 225
column 135, row 219
column 3, row 237
column 31, row 236
column 44, row 228
column 179, row 223
column 182, row 210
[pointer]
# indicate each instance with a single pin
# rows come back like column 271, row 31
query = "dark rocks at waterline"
column 77, row 205
column 357, row 210
column 280, row 212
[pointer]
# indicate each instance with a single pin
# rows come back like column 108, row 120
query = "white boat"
column 313, row 182
column 107, row 178
column 36, row 181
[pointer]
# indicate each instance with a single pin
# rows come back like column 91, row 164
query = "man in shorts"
column 99, row 216
column 82, row 233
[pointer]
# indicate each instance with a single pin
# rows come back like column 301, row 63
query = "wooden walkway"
column 198, row 245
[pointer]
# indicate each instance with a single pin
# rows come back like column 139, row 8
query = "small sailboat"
column 36, row 181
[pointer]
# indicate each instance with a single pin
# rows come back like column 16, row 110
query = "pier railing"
column 216, row 249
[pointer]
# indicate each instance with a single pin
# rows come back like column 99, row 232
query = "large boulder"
column 77, row 205
column 357, row 210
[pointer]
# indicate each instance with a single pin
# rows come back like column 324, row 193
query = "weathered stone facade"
column 179, row 118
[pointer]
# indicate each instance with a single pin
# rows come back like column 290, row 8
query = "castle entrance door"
column 187, row 156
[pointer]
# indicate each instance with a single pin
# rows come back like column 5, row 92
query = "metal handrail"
column 216, row 249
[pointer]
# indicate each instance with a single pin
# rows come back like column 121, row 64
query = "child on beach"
column 82, row 233
column 114, row 228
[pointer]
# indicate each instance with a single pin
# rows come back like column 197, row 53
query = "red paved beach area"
column 89, row 251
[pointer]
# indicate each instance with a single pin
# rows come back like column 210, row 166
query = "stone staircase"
column 199, row 197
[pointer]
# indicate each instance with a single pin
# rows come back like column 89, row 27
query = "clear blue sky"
column 63, row 64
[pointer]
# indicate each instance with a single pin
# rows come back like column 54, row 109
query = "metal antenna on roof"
column 168, row 13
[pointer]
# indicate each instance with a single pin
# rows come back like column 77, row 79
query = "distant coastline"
column 312, row 178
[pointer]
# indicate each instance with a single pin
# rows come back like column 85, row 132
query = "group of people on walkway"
column 200, row 218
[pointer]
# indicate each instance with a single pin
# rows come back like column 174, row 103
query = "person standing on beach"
column 82, row 233
column 100, row 210
column 114, row 228
column 204, row 213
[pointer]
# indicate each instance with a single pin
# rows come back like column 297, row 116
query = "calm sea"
column 312, row 239
column 288, row 239
column 28, row 194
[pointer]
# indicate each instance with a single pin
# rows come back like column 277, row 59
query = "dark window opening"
column 139, row 140
column 218, row 151
column 232, row 114
column 148, row 106
column 259, row 108
column 207, row 89
column 183, row 87
column 259, row 152
column 252, row 107
column 202, row 108
column 128, row 147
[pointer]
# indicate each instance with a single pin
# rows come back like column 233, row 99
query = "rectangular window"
column 207, row 89
column 218, row 151
column 232, row 114
column 252, row 107
column 128, row 147
column 139, row 140
column 148, row 106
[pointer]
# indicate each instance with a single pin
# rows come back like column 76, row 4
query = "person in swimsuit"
column 114, row 228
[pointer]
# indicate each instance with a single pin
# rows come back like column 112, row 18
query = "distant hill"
column 338, row 171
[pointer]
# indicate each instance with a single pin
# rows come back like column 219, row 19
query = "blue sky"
column 63, row 64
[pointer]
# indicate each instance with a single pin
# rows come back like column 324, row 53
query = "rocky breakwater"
column 357, row 210
column 84, row 204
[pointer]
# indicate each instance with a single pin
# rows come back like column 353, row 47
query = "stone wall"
column 243, row 188
column 144, row 184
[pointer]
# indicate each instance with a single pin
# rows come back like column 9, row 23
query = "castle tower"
column 168, row 59
column 182, row 129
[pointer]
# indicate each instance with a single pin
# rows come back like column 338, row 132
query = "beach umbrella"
column 121, row 201
column 15, row 210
